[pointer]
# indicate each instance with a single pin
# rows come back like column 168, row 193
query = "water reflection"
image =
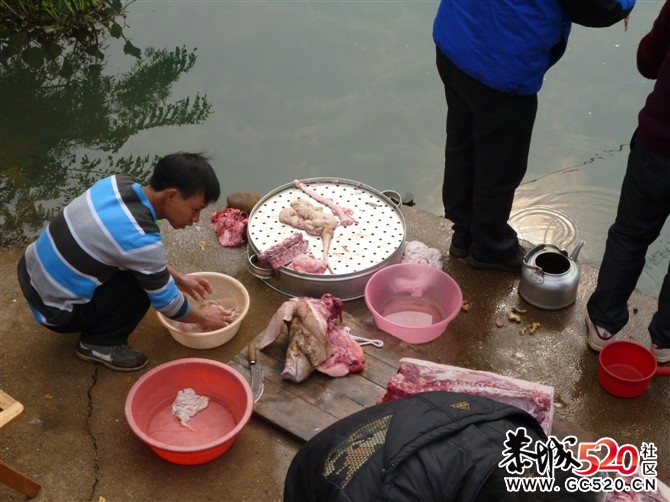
column 349, row 89
column 546, row 224
column 66, row 119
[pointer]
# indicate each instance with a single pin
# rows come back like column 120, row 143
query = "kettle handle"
column 540, row 247
column 535, row 274
column 533, row 250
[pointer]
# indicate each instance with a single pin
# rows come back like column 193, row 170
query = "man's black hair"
column 190, row 173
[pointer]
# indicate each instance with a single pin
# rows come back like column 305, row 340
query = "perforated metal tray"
column 356, row 250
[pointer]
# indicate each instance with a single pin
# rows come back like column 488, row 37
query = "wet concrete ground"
column 74, row 440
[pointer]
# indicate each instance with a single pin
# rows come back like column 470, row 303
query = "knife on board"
column 256, row 372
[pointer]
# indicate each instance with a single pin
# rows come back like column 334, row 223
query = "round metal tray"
column 376, row 240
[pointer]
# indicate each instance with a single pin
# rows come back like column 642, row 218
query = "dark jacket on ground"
column 426, row 447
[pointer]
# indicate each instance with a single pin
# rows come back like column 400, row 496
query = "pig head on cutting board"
column 316, row 342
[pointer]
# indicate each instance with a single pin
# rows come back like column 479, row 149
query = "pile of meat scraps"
column 415, row 375
column 418, row 252
column 230, row 225
column 316, row 342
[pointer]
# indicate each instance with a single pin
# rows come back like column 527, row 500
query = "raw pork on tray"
column 285, row 252
column 416, row 375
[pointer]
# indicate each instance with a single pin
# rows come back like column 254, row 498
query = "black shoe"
column 460, row 244
column 117, row 357
column 513, row 264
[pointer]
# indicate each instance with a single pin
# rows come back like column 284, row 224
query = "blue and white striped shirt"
column 109, row 228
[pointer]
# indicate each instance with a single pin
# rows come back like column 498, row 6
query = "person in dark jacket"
column 644, row 206
column 432, row 446
column 492, row 56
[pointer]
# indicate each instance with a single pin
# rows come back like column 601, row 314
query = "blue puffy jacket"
column 507, row 45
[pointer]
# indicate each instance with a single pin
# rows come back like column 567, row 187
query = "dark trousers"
column 485, row 159
column 115, row 310
column 644, row 206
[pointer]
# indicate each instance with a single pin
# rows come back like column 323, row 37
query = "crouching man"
column 100, row 264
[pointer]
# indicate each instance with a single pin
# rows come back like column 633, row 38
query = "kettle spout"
column 575, row 253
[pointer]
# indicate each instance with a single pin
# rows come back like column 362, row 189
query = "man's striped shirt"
column 109, row 228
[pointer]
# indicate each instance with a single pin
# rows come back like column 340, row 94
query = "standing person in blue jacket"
column 492, row 56
column 100, row 263
column 644, row 206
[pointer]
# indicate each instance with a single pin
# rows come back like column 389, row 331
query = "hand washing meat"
column 208, row 307
column 315, row 341
column 313, row 220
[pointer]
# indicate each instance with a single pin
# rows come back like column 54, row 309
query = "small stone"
column 244, row 201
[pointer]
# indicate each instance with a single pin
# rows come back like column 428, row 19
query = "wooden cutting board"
column 304, row 409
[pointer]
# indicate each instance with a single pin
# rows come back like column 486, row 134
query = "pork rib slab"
column 416, row 375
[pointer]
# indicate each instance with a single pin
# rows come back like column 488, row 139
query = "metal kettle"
column 550, row 277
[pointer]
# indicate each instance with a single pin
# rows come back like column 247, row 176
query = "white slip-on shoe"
column 662, row 355
column 598, row 337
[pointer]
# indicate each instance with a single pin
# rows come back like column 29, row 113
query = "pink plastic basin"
column 212, row 430
column 413, row 302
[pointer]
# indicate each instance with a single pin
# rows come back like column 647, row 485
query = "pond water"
column 277, row 90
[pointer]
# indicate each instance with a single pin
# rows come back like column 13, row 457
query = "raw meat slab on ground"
column 416, row 375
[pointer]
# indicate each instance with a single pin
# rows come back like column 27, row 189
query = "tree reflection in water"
column 62, row 104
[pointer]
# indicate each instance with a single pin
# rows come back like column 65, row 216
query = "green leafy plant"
column 52, row 23
column 64, row 119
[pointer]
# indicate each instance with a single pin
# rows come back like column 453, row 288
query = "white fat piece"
column 187, row 404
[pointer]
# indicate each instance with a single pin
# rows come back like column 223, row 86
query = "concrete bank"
column 73, row 438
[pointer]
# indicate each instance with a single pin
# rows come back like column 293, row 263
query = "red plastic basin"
column 212, row 431
column 625, row 368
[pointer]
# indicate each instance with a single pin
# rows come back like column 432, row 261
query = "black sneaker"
column 117, row 357
column 513, row 264
column 460, row 244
